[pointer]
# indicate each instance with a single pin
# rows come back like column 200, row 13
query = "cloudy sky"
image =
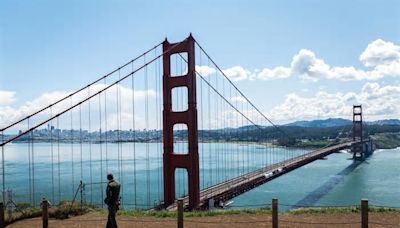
column 295, row 60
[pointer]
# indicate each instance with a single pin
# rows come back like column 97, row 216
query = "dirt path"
column 93, row 220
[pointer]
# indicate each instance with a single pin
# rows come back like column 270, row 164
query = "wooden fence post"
column 180, row 213
column 81, row 191
column 2, row 223
column 364, row 213
column 274, row 213
column 45, row 213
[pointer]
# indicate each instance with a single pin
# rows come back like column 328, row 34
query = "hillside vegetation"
column 386, row 140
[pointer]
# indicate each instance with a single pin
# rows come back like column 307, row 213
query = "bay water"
column 55, row 170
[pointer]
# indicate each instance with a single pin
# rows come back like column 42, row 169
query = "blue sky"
column 48, row 46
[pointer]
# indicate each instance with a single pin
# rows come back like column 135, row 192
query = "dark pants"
column 112, row 212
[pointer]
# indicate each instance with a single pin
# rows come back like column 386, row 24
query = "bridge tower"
column 357, row 149
column 357, row 123
column 171, row 159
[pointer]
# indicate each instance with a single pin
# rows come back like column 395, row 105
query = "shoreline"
column 309, row 147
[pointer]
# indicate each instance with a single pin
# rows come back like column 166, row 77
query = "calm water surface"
column 58, row 169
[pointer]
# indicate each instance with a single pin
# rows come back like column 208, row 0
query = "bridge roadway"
column 229, row 189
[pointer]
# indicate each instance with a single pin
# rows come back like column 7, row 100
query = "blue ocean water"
column 54, row 171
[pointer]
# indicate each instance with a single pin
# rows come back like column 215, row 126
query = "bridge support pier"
column 172, row 160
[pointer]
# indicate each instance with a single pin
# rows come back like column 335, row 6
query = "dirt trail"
column 93, row 220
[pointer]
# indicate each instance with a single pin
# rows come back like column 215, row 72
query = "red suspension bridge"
column 169, row 123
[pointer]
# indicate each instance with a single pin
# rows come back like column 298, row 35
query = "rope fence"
column 274, row 218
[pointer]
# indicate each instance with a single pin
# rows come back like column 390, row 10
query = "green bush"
column 23, row 205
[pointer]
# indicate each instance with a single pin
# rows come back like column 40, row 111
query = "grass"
column 64, row 210
column 168, row 214
column 61, row 211
column 256, row 211
column 339, row 210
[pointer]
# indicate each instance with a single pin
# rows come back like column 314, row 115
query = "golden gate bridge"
column 169, row 123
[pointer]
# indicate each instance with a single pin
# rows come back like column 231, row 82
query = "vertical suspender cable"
column 210, row 180
column 117, row 127
column 58, row 160
column 120, row 144
column 90, row 147
column 230, row 138
column 237, row 135
column 224, row 127
column 3, row 178
column 156, row 79
column 29, row 166
column 159, row 118
column 134, row 140
column 119, row 110
column 52, row 155
column 101, row 152
column 216, row 131
column 72, row 154
column 80, row 140
column 33, row 169
column 247, row 141
column 160, row 104
column 243, row 142
column 147, row 132
column 202, row 128
column 105, row 125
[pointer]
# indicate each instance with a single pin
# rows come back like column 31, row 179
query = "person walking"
column 112, row 200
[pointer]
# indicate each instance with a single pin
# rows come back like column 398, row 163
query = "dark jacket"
column 112, row 191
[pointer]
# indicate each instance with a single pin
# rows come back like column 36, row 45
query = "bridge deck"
column 236, row 186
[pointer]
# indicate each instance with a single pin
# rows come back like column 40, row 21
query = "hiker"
column 112, row 200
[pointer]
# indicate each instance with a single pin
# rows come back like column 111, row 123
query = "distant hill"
column 386, row 122
column 333, row 122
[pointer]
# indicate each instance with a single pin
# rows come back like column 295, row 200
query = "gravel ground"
column 224, row 221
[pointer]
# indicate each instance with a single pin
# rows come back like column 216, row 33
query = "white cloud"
column 6, row 97
column 236, row 73
column 308, row 66
column 9, row 114
column 205, row 70
column 382, row 56
column 378, row 102
column 276, row 73
column 380, row 52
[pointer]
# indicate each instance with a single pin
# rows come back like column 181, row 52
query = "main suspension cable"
column 86, row 99
column 230, row 81
column 81, row 89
